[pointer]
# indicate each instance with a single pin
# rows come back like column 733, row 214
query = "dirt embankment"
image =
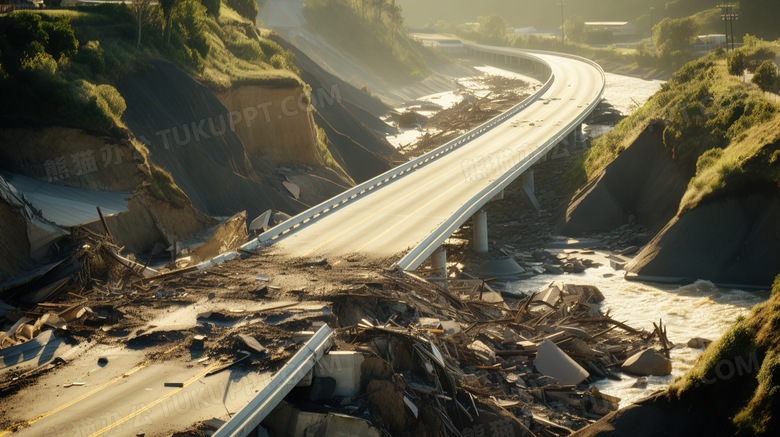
column 276, row 126
column 350, row 118
column 731, row 239
column 72, row 157
column 14, row 245
column 187, row 131
column 77, row 158
column 642, row 181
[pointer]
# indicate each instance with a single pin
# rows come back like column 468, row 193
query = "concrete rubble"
column 406, row 355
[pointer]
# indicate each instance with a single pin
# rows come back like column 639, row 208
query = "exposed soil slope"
column 732, row 239
column 642, row 181
column 350, row 118
column 214, row 171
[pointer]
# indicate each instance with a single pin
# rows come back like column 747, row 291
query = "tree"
column 673, row 35
column 766, row 77
column 737, row 63
column 379, row 7
column 246, row 8
column 396, row 21
column 141, row 12
column 574, row 28
column 168, row 6
column 212, row 7
column 493, row 26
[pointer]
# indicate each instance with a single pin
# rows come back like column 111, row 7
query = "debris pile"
column 412, row 357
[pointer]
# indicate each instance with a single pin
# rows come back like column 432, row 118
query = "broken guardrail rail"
column 245, row 421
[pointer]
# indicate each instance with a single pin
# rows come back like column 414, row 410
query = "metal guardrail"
column 248, row 418
column 417, row 255
column 312, row 214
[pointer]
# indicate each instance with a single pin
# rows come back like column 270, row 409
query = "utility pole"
column 732, row 18
column 563, row 35
column 726, row 17
column 651, row 26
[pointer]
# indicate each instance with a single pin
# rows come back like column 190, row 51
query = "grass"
column 715, row 125
column 748, row 398
column 165, row 189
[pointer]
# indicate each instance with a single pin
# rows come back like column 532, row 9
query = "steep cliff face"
column 14, row 246
column 72, row 157
column 77, row 158
column 187, row 131
column 274, row 124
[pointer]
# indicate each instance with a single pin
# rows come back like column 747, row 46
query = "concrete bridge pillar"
column 572, row 138
column 480, row 232
column 499, row 196
column 439, row 262
column 528, row 191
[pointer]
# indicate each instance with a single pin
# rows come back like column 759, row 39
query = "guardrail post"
column 480, row 232
column 528, row 191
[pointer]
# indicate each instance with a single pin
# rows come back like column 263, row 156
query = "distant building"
column 717, row 38
column 443, row 43
column 708, row 43
column 525, row 30
column 617, row 27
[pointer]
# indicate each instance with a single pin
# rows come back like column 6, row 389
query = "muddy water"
column 696, row 310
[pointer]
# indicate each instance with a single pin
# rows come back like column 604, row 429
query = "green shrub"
column 91, row 55
column 62, row 41
column 116, row 103
column 737, row 63
column 766, row 77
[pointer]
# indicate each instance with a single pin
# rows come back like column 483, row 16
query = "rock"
column 629, row 250
column 484, row 352
column 698, row 342
column 578, row 267
column 648, row 362
column 553, row 270
column 617, row 265
column 640, row 383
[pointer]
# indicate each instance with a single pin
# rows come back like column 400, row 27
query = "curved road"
column 400, row 215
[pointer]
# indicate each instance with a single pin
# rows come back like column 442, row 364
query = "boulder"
column 648, row 362
column 698, row 342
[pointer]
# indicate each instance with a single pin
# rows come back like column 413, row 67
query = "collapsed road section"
column 263, row 343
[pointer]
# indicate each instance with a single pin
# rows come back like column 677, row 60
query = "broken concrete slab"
column 549, row 296
column 344, row 367
column 252, row 343
column 294, row 189
column 552, row 361
column 262, row 222
column 450, row 327
column 648, row 362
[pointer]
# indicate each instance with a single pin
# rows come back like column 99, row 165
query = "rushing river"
column 696, row 310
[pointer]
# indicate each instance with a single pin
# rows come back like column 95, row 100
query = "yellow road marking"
column 82, row 397
column 125, row 419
